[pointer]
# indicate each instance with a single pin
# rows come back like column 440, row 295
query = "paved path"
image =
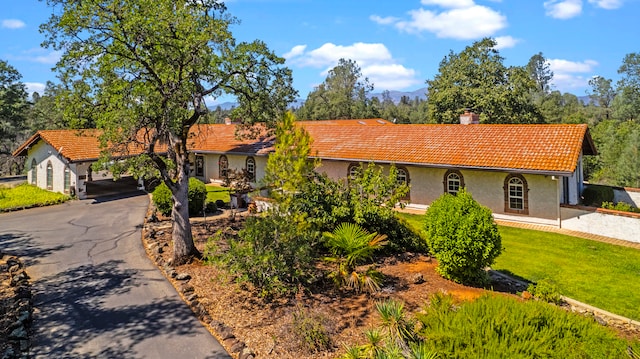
column 97, row 295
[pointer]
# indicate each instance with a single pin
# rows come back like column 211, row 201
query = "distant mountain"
column 421, row 93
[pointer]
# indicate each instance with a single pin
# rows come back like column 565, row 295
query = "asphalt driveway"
column 97, row 295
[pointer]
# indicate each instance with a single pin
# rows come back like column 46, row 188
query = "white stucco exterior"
column 487, row 187
column 45, row 157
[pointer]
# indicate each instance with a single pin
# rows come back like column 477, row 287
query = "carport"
column 107, row 187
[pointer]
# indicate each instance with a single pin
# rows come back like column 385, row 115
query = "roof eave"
column 448, row 166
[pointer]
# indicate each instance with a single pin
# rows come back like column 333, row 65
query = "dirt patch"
column 266, row 326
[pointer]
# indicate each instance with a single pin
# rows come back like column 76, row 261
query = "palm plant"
column 351, row 245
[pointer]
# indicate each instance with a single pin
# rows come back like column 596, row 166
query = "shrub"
column 595, row 195
column 219, row 203
column 162, row 199
column 274, row 252
column 311, row 331
column 545, row 290
column 211, row 207
column 26, row 196
column 351, row 245
column 620, row 206
column 501, row 327
column 197, row 195
column 463, row 237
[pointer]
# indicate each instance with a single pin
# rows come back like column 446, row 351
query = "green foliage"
column 476, row 78
column 210, row 207
column 162, row 199
column 501, row 327
column 275, row 252
column 197, row 195
column 27, row 196
column 395, row 338
column 463, row 237
column 621, row 206
column 140, row 70
column 545, row 290
column 342, row 95
column 351, row 245
column 595, row 195
column 311, row 330
column 215, row 194
column 288, row 167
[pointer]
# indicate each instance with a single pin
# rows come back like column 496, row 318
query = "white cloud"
column 460, row 23
column 34, row 87
column 449, row 3
column 390, row 77
column 374, row 59
column 563, row 9
column 12, row 24
column 39, row 55
column 295, row 51
column 571, row 74
column 329, row 54
column 384, row 20
column 505, row 42
column 607, row 4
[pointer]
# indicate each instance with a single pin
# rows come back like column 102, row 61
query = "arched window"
column 34, row 172
column 223, row 166
column 516, row 198
column 453, row 182
column 67, row 179
column 353, row 170
column 251, row 168
column 49, row 176
column 402, row 176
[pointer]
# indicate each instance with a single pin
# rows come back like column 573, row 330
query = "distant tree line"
column 474, row 78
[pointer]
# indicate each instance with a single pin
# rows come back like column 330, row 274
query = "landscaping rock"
column 418, row 278
column 183, row 276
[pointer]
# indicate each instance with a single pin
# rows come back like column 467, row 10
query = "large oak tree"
column 135, row 67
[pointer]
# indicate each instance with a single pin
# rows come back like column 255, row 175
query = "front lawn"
column 26, row 196
column 599, row 274
column 217, row 193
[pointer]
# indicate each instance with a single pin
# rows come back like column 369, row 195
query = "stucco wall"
column 236, row 162
column 625, row 227
column 427, row 184
column 43, row 153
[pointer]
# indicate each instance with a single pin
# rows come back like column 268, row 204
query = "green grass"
column 26, row 196
column 599, row 274
column 215, row 193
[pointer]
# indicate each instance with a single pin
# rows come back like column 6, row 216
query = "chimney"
column 469, row 118
column 227, row 121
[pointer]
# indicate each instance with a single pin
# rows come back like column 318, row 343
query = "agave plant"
column 351, row 245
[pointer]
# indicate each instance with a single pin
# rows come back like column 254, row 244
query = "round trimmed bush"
column 162, row 199
column 197, row 195
column 463, row 237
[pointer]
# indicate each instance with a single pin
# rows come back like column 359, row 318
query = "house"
column 60, row 160
column 521, row 172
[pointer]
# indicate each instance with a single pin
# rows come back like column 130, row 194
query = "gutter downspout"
column 558, row 193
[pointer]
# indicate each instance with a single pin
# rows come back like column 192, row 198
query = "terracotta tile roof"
column 535, row 148
column 524, row 148
column 78, row 145
column 219, row 138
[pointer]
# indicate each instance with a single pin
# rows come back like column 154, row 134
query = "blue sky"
column 398, row 44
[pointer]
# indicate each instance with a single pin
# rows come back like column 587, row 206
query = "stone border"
column 20, row 312
column 180, row 281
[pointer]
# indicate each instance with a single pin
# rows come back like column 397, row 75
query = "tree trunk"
column 183, row 247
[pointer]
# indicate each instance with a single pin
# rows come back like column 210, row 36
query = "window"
column 34, row 172
column 453, row 182
column 402, row 176
column 516, row 195
column 67, row 179
column 223, row 166
column 199, row 166
column 353, row 170
column 251, row 168
column 49, row 176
